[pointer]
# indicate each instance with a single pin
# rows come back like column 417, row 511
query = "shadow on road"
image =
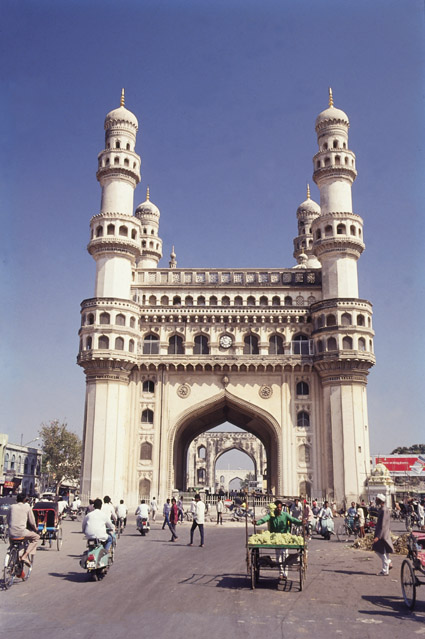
column 78, row 577
column 391, row 606
column 237, row 582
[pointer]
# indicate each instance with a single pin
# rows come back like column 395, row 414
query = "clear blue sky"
column 226, row 93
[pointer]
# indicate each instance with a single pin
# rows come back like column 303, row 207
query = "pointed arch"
column 207, row 414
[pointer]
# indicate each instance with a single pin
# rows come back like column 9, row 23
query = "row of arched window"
column 104, row 343
column 335, row 145
column 346, row 320
column 13, row 462
column 118, row 145
column 300, row 345
column 341, row 229
column 105, row 318
column 117, row 162
column 213, row 300
column 331, row 344
column 123, row 231
column 337, row 160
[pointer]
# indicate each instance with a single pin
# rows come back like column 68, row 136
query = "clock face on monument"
column 225, row 341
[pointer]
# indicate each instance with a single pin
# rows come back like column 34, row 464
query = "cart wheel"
column 408, row 584
column 253, row 575
column 59, row 538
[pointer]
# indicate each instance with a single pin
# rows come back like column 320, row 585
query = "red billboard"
column 403, row 464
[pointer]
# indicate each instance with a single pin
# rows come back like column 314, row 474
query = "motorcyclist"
column 142, row 512
column 97, row 525
column 325, row 513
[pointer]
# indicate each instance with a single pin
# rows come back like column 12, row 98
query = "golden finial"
column 308, row 191
column 331, row 99
column 122, row 103
column 147, row 194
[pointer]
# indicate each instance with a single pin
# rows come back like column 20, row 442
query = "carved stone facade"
column 170, row 353
column 206, row 449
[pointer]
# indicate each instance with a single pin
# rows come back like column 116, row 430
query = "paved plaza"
column 159, row 589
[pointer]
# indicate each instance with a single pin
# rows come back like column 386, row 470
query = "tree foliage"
column 416, row 449
column 62, row 451
column 245, row 482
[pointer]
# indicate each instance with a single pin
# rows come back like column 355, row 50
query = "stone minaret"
column 343, row 335
column 109, row 321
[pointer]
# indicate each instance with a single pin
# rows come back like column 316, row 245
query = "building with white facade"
column 169, row 352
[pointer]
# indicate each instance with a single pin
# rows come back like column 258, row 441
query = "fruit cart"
column 270, row 557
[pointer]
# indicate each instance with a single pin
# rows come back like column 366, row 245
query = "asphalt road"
column 160, row 589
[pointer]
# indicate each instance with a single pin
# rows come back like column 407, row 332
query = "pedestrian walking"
column 360, row 514
column 198, row 520
column 382, row 543
column 173, row 519
column 180, row 509
column 166, row 512
column 154, row 508
column 220, row 509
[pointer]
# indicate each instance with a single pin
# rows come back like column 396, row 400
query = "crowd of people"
column 101, row 519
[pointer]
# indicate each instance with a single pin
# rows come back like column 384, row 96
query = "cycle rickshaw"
column 413, row 568
column 48, row 522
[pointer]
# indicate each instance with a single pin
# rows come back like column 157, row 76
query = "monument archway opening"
column 220, row 410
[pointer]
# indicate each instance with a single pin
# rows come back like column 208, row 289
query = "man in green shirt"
column 279, row 522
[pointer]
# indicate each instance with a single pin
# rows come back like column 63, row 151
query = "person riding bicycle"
column 97, row 525
column 19, row 516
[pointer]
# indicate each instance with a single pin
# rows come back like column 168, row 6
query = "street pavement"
column 160, row 589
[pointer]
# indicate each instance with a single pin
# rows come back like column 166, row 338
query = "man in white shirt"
column 142, row 511
column 198, row 520
column 154, row 508
column 97, row 524
column 108, row 508
column 62, row 504
column 121, row 511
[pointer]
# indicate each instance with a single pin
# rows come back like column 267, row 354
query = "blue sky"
column 226, row 93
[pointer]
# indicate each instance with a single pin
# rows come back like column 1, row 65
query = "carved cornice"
column 335, row 171
column 125, row 247
column 132, row 176
column 338, row 244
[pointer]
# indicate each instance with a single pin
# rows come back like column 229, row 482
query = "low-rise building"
column 20, row 469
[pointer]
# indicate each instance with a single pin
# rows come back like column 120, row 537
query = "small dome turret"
column 121, row 116
column 331, row 115
column 147, row 209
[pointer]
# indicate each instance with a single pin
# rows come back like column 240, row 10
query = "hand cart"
column 264, row 557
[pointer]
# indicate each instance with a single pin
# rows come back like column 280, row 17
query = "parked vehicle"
column 96, row 560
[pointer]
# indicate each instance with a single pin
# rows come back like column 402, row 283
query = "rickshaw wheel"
column 408, row 584
column 59, row 538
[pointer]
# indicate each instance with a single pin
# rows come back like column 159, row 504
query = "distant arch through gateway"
column 224, row 407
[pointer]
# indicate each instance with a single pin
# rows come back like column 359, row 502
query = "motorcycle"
column 143, row 525
column 326, row 527
column 96, row 560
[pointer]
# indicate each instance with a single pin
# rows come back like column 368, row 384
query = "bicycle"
column 14, row 567
column 347, row 528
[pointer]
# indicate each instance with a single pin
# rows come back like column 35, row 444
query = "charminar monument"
column 171, row 352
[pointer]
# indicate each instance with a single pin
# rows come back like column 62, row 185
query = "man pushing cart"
column 279, row 522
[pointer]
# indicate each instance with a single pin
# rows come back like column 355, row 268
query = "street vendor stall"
column 277, row 549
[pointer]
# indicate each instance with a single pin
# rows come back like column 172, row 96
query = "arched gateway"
column 226, row 408
column 169, row 353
